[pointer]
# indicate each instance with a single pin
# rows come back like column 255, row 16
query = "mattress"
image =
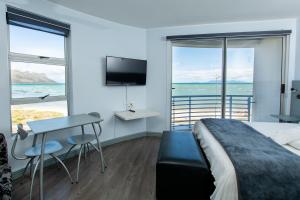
column 221, row 166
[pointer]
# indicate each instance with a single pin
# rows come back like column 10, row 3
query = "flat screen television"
column 125, row 71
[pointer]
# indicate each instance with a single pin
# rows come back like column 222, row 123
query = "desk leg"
column 82, row 130
column 42, row 167
column 100, row 149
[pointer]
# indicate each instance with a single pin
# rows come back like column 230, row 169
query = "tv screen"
column 125, row 71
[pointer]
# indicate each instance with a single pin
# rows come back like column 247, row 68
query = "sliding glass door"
column 253, row 78
column 196, row 81
column 237, row 78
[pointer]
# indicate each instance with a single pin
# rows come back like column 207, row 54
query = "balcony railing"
column 186, row 110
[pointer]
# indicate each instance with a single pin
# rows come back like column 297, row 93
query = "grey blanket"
column 264, row 169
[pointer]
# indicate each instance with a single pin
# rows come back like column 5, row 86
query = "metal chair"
column 51, row 147
column 85, row 140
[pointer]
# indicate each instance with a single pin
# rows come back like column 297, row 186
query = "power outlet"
column 130, row 106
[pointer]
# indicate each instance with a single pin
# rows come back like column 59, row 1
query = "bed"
column 221, row 165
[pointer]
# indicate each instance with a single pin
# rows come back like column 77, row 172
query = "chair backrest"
column 23, row 135
column 21, row 132
column 96, row 114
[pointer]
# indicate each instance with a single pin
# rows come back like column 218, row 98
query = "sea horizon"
column 209, row 88
column 23, row 90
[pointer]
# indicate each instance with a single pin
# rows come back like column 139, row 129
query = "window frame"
column 36, row 59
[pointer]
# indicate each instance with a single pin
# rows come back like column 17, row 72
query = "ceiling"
column 160, row 13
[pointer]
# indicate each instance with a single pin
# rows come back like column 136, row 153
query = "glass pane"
column 38, row 111
column 239, row 80
column 32, row 42
column 196, row 82
column 253, row 79
column 37, row 80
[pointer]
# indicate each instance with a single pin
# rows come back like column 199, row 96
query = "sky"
column 39, row 43
column 205, row 64
column 189, row 64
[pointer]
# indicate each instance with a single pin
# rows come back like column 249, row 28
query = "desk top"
column 287, row 118
column 138, row 114
column 55, row 124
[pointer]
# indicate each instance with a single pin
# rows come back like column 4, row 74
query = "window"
column 38, row 75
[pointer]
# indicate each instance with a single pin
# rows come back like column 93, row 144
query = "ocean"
column 211, row 89
column 37, row 90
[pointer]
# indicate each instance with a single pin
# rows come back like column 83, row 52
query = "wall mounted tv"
column 125, row 71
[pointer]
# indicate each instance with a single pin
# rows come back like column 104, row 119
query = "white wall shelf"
column 138, row 114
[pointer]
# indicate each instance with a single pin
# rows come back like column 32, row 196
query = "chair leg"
column 78, row 164
column 27, row 166
column 66, row 155
column 31, row 167
column 92, row 145
column 33, row 176
column 103, row 163
column 102, row 157
column 100, row 149
column 64, row 166
column 84, row 151
column 88, row 148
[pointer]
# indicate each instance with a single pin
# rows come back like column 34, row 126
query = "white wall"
column 297, row 72
column 91, row 40
column 159, row 64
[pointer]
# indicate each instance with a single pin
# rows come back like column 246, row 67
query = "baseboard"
column 17, row 174
column 123, row 139
column 154, row 134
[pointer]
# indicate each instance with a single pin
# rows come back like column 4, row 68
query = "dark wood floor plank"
column 130, row 175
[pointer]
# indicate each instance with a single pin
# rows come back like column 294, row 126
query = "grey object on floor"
column 264, row 169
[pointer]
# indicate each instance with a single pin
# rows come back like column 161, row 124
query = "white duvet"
column 221, row 166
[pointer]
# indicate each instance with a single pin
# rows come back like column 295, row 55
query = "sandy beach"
column 30, row 112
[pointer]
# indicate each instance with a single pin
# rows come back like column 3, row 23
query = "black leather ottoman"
column 181, row 169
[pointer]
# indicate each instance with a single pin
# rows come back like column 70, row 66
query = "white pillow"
column 295, row 144
column 285, row 136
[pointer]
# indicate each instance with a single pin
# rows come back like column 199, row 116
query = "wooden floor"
column 130, row 175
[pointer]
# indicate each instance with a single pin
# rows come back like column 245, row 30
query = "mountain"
column 21, row 77
column 227, row 81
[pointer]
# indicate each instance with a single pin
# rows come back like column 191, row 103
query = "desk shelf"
column 138, row 114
